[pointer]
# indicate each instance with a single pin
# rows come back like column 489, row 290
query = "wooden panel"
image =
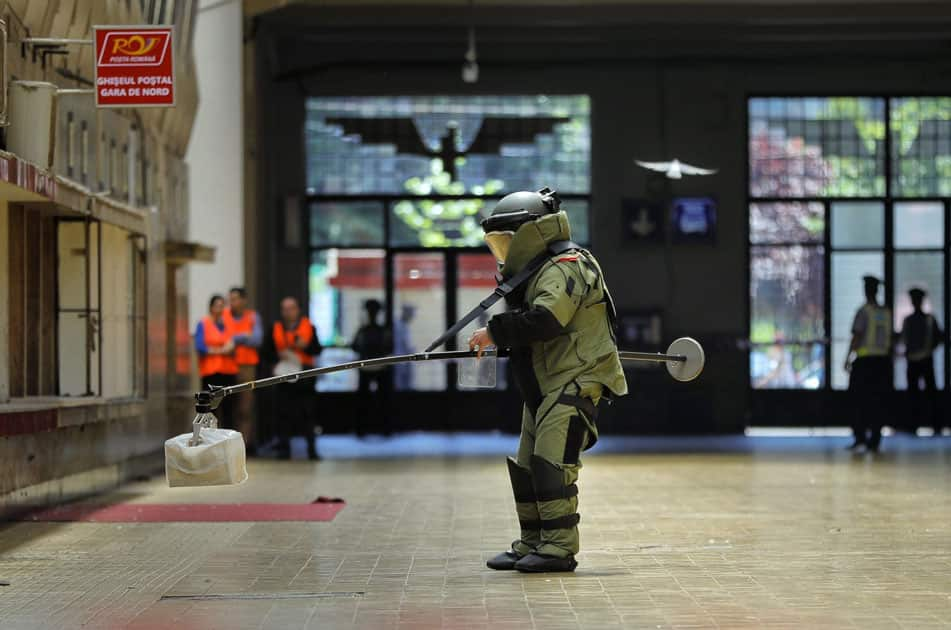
column 32, row 296
column 16, row 301
column 21, row 422
column 48, row 357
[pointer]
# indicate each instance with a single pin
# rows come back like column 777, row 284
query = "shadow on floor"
column 12, row 518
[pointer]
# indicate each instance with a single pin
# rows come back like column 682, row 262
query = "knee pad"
column 549, row 481
column 521, row 482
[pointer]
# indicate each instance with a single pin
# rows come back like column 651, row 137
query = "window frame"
column 92, row 312
column 889, row 249
column 453, row 310
column 820, row 245
column 92, row 315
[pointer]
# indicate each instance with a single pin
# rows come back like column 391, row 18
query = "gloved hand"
column 480, row 340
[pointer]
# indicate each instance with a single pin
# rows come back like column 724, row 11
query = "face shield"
column 499, row 243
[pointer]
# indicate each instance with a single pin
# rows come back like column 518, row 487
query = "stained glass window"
column 922, row 270
column 858, row 225
column 847, row 270
column 438, row 222
column 424, row 145
column 786, row 295
column 921, row 147
column 786, row 222
column 919, row 224
column 346, row 223
column 341, row 281
column 821, row 155
column 817, row 147
column 391, row 174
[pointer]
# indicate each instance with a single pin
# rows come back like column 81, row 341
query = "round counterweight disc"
column 693, row 366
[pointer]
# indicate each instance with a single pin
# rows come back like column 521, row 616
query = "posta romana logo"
column 134, row 48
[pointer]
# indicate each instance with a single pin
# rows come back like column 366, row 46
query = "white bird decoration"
column 675, row 169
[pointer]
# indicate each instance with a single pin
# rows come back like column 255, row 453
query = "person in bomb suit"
column 563, row 356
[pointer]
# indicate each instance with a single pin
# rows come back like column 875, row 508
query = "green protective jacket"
column 557, row 326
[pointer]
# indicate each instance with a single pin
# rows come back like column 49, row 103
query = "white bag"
column 218, row 459
column 288, row 364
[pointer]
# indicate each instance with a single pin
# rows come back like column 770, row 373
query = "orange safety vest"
column 214, row 338
column 244, row 355
column 287, row 339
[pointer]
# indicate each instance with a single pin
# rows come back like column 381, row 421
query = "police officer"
column 564, row 359
column 374, row 340
column 871, row 370
column 921, row 335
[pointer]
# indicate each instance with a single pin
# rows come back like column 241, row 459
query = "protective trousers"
column 917, row 371
column 545, row 473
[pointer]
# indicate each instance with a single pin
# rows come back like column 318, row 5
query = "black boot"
column 312, row 443
column 505, row 561
column 540, row 563
column 312, row 453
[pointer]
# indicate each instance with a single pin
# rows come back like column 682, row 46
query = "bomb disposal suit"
column 563, row 355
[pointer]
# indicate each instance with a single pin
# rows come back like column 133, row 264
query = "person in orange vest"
column 216, row 362
column 246, row 328
column 294, row 346
column 870, row 377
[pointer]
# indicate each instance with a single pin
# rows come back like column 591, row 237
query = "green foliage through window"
column 835, row 146
column 810, row 160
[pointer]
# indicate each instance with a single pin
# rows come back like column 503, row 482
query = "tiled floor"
column 746, row 535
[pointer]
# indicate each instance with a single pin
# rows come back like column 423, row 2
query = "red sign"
column 135, row 66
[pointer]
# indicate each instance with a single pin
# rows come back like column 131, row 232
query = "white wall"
column 215, row 155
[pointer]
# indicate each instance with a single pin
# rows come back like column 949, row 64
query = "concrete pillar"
column 215, row 154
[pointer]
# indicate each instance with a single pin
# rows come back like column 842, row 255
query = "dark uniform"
column 921, row 335
column 564, row 360
column 373, row 340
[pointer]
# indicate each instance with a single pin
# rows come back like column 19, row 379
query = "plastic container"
column 477, row 373
column 217, row 459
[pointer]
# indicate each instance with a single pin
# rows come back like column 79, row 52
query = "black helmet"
column 521, row 207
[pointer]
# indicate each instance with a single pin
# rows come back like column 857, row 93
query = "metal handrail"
column 56, row 41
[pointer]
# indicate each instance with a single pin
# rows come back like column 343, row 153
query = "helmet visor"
column 499, row 243
column 505, row 221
